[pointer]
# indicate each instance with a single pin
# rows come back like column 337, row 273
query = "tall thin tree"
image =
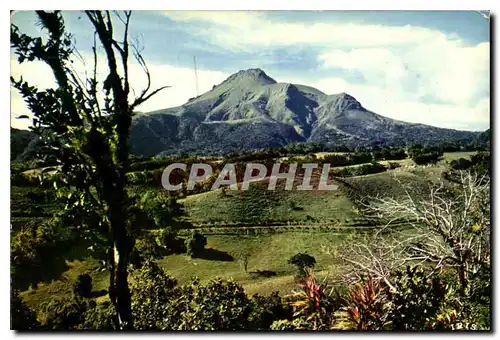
column 86, row 125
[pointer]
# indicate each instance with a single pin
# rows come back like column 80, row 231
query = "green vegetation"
column 96, row 244
column 259, row 206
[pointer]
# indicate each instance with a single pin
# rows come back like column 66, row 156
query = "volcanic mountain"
column 250, row 110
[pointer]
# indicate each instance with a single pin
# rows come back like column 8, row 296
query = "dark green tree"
column 196, row 244
column 88, row 124
column 303, row 262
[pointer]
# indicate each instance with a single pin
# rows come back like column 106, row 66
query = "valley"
column 268, row 226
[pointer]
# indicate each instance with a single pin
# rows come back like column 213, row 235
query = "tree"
column 450, row 228
column 303, row 262
column 88, row 134
column 196, row 244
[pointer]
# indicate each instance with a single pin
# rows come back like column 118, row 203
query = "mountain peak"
column 252, row 75
column 344, row 101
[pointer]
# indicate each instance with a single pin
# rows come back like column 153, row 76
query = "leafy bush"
column 168, row 239
column 160, row 209
column 148, row 248
column 389, row 154
column 336, row 160
column 460, row 164
column 425, row 155
column 267, row 309
column 416, row 300
column 303, row 262
column 34, row 246
column 22, row 317
column 481, row 162
column 427, row 158
column 215, row 305
column 359, row 158
column 65, row 313
column 153, row 297
column 100, row 317
column 158, row 303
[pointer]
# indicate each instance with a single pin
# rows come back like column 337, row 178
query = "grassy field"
column 259, row 205
column 449, row 156
column 267, row 252
column 31, row 204
column 256, row 206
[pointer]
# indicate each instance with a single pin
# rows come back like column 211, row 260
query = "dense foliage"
column 359, row 170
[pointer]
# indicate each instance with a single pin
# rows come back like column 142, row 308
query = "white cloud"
column 393, row 104
column 241, row 29
column 444, row 71
column 181, row 80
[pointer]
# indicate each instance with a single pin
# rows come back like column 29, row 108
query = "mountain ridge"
column 251, row 110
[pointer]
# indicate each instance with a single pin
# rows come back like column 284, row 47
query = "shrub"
column 216, row 305
column 66, row 313
column 148, row 248
column 359, row 158
column 32, row 246
column 429, row 158
column 100, row 317
column 168, row 239
column 364, row 308
column 364, row 169
column 21, row 316
column 158, row 303
column 336, row 160
column 161, row 210
column 416, row 300
column 153, row 296
column 267, row 309
column 481, row 162
column 389, row 154
column 460, row 164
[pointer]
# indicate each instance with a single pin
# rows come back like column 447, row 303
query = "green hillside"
column 261, row 206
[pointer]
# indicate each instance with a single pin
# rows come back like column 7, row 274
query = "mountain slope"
column 251, row 110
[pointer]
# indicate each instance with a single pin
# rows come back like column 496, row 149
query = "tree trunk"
column 462, row 277
column 122, row 293
column 122, row 247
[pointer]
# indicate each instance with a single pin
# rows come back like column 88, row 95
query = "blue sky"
column 422, row 66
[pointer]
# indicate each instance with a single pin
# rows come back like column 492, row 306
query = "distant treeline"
column 147, row 171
